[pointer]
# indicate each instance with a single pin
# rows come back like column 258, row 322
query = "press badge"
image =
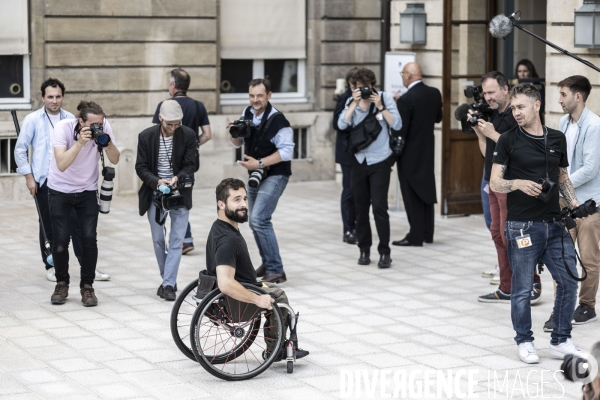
column 379, row 117
column 523, row 240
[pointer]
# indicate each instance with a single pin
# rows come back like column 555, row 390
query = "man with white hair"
column 166, row 156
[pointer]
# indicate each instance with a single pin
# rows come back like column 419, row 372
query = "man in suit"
column 166, row 154
column 344, row 158
column 420, row 108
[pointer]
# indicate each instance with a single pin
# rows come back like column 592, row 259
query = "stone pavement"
column 421, row 314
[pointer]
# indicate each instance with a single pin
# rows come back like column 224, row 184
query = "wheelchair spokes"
column 229, row 338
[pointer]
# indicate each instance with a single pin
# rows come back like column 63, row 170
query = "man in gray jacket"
column 582, row 129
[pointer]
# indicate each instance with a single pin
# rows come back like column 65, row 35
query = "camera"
column 547, row 187
column 257, row 176
column 102, row 139
column 574, row 368
column 480, row 110
column 106, row 189
column 169, row 198
column 397, row 144
column 242, row 128
column 366, row 92
column 584, row 210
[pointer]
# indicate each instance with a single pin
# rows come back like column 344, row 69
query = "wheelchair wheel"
column 181, row 318
column 228, row 339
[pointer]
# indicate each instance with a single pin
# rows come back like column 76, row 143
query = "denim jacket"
column 36, row 132
column 585, row 163
column 379, row 150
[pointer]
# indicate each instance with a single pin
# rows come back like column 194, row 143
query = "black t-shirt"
column 502, row 122
column 226, row 246
column 194, row 113
column 527, row 161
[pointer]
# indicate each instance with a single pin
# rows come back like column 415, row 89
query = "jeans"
column 546, row 245
column 85, row 205
column 168, row 261
column 188, row 235
column 42, row 198
column 262, row 201
column 485, row 202
column 347, row 200
column 370, row 184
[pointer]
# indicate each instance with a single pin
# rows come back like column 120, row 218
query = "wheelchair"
column 227, row 337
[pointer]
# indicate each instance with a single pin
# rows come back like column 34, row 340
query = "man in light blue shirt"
column 372, row 164
column 582, row 130
column 37, row 133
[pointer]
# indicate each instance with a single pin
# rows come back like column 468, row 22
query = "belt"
column 555, row 219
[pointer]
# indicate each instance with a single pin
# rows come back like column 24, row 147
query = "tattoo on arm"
column 567, row 190
column 503, row 185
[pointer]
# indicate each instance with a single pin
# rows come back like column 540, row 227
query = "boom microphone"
column 501, row 26
column 461, row 112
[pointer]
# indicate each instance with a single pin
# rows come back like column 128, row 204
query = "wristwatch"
column 382, row 107
column 260, row 163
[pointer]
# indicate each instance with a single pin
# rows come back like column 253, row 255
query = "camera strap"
column 562, row 242
column 264, row 126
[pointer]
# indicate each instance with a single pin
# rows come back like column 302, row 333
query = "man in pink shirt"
column 73, row 184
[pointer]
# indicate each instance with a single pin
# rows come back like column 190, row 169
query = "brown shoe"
column 61, row 292
column 274, row 278
column 260, row 271
column 88, row 298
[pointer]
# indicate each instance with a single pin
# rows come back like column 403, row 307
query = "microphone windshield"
column 461, row 112
column 500, row 26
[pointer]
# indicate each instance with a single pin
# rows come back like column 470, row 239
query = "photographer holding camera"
column 495, row 91
column 73, row 184
column 368, row 116
column 530, row 165
column 166, row 161
column 268, row 143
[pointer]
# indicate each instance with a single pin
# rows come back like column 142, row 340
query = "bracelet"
column 382, row 108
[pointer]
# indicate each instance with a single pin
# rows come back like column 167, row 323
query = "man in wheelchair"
column 228, row 260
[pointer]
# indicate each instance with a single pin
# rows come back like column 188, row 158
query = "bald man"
column 420, row 109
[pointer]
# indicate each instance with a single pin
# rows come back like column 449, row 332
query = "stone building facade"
column 119, row 54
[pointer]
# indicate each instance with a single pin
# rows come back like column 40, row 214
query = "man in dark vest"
column 420, row 108
column 268, row 151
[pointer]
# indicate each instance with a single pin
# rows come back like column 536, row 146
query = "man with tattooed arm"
column 534, row 230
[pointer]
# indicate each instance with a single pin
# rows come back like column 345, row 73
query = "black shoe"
column 349, row 238
column 406, row 242
column 260, row 271
column 583, row 314
column 384, row 261
column 428, row 241
column 498, row 296
column 536, row 293
column 169, row 293
column 282, row 354
column 274, row 278
column 364, row 258
column 549, row 325
column 160, row 291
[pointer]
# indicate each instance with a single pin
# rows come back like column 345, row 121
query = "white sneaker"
column 101, row 276
column 527, row 353
column 564, row 348
column 496, row 279
column 490, row 273
column 50, row 275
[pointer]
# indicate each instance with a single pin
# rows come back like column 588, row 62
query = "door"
column 467, row 54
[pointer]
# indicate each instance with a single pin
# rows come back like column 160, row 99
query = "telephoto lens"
column 106, row 189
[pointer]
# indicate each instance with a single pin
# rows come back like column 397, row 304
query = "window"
column 287, row 78
column 301, row 148
column 7, row 151
column 274, row 46
column 14, row 56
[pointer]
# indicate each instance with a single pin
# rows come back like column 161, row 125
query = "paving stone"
column 421, row 314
